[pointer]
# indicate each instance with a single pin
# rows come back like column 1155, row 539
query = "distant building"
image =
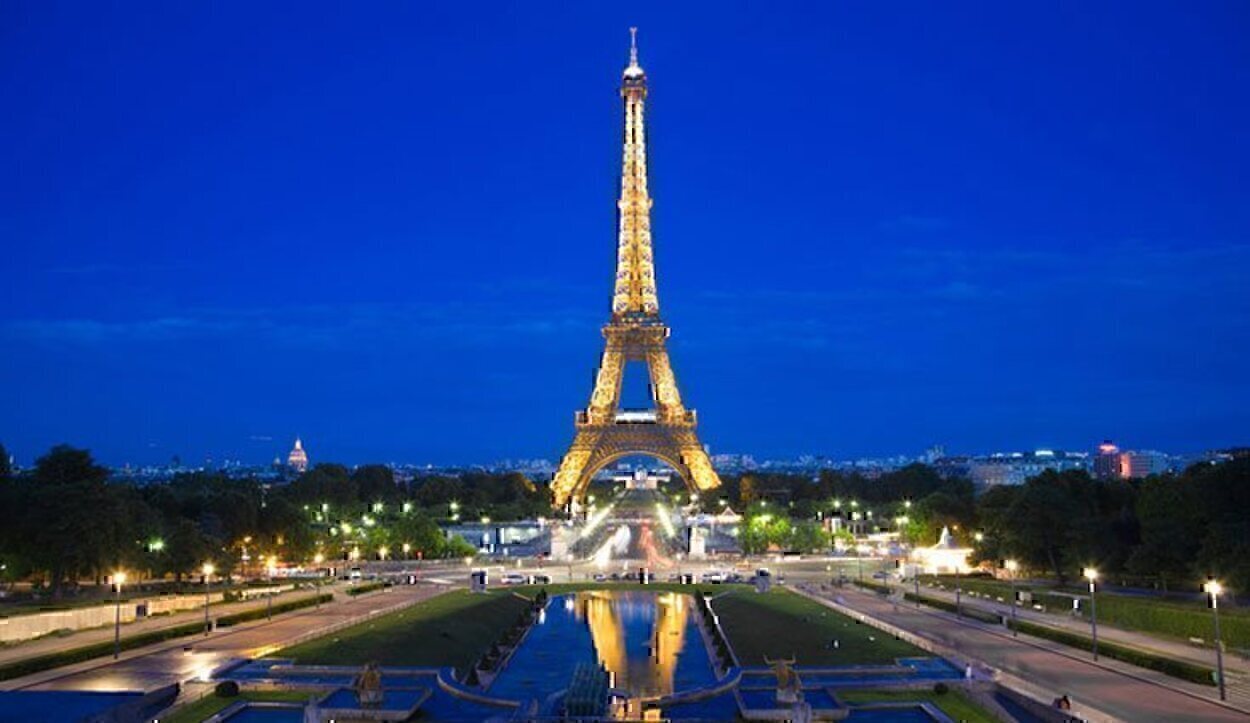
column 1135, row 464
column 1010, row 468
column 298, row 458
column 933, row 454
column 1107, row 461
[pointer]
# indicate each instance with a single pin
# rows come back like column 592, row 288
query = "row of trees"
column 1172, row 530
column 67, row 521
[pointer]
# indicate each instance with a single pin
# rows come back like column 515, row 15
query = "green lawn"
column 211, row 704
column 452, row 629
column 783, row 624
column 953, row 702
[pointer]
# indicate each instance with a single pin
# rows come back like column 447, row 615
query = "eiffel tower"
column 634, row 333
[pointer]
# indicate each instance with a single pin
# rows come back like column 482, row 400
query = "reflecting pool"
column 649, row 643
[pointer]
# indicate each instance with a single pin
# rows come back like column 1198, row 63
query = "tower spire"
column 634, row 295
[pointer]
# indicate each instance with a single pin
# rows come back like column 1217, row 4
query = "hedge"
column 40, row 663
column 365, row 588
column 950, row 607
column 226, row 621
column 1171, row 618
column 1192, row 672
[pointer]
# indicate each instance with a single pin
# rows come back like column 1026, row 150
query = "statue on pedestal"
column 789, row 687
column 368, row 686
column 312, row 711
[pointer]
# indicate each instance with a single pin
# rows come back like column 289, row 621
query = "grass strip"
column 781, row 623
column 452, row 629
column 953, row 702
column 211, row 704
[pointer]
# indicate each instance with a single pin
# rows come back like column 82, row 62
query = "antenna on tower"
column 633, row 46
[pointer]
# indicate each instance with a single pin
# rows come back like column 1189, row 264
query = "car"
column 542, row 579
column 513, row 578
column 713, row 576
column 600, row 577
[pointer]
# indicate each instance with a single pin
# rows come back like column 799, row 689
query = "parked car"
column 513, row 578
column 542, row 579
column 713, row 576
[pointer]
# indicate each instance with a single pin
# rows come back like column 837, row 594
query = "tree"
column 375, row 483
column 809, row 536
column 65, row 519
column 186, row 549
column 6, row 470
column 1037, row 524
column 420, row 532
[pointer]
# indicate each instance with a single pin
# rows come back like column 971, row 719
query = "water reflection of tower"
column 668, row 640
column 650, row 670
column 607, row 633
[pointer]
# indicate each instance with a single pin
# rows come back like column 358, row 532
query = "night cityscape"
column 523, row 362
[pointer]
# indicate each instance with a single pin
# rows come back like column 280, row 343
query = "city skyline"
column 911, row 243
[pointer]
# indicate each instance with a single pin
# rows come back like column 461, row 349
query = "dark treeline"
column 1170, row 530
column 67, row 521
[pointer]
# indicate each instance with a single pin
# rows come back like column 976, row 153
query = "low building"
column 944, row 558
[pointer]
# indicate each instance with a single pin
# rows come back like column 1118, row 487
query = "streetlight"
column 1012, row 566
column 119, row 578
column 318, row 559
column 271, row 567
column 1213, row 589
column 1091, row 574
column 207, row 568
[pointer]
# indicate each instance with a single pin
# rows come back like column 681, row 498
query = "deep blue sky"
column 391, row 227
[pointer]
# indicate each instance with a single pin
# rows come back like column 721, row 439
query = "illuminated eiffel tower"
column 634, row 333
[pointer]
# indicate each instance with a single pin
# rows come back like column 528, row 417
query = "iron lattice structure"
column 635, row 333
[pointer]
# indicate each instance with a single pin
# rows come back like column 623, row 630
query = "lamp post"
column 1213, row 589
column 1092, row 575
column 119, row 578
column 207, row 568
column 318, row 559
column 1012, row 566
column 271, row 567
column 959, row 611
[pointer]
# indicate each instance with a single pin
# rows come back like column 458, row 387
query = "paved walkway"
column 56, row 643
column 1117, row 690
column 195, row 657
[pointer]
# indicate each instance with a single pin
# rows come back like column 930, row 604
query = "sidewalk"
column 81, row 638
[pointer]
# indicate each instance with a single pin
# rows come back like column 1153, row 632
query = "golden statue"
column 368, row 686
column 634, row 333
column 789, row 687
